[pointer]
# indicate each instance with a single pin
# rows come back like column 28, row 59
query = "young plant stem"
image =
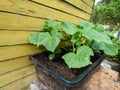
column 73, row 47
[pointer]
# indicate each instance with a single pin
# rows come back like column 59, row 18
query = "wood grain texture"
column 10, row 52
column 80, row 4
column 19, row 22
column 15, row 75
column 14, row 64
column 64, row 7
column 21, row 84
column 14, row 37
column 31, row 9
column 89, row 2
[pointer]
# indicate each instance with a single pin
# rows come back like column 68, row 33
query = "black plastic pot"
column 55, row 81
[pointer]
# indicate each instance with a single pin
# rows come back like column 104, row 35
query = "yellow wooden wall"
column 19, row 18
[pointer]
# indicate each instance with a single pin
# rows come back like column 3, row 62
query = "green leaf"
column 85, row 50
column 58, row 51
column 50, row 25
column 69, row 28
column 85, row 24
column 51, row 56
column 50, row 42
column 99, row 27
column 109, row 49
column 92, row 34
column 111, row 34
column 95, row 46
column 56, row 34
column 33, row 38
column 76, row 61
column 75, row 37
column 81, row 59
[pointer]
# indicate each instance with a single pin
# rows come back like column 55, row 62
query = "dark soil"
column 59, row 65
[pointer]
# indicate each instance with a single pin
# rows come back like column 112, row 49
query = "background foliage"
column 107, row 13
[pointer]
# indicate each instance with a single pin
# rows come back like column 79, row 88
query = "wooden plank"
column 89, row 2
column 15, row 75
column 18, row 22
column 10, row 52
column 81, row 5
column 14, row 64
column 21, row 84
column 14, row 37
column 63, row 6
column 32, row 9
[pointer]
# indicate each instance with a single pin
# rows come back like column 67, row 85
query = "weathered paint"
column 14, row 64
column 21, row 84
column 10, row 52
column 65, row 7
column 15, row 75
column 10, row 21
column 15, row 37
column 81, row 5
column 88, row 2
column 32, row 9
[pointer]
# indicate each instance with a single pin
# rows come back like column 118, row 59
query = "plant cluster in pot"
column 73, row 51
